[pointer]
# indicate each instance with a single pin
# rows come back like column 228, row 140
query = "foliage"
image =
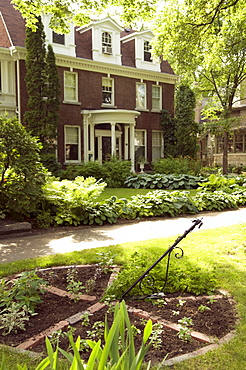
column 214, row 201
column 217, row 183
column 35, row 79
column 68, row 199
column 43, row 87
column 109, row 356
column 182, row 277
column 25, row 290
column 177, row 166
column 81, row 11
column 186, row 129
column 20, row 169
column 212, row 56
column 14, row 317
column 168, row 125
column 184, row 331
column 160, row 181
column 113, row 172
column 19, row 299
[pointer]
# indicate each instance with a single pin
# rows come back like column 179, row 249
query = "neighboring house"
column 211, row 146
column 112, row 90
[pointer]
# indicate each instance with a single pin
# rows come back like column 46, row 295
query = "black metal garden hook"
column 196, row 222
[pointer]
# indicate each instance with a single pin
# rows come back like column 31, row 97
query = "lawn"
column 224, row 248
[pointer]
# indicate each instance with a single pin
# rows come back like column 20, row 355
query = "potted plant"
column 142, row 161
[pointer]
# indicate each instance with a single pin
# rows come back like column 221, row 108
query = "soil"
column 215, row 321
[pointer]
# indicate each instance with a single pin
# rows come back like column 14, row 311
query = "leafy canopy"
column 82, row 11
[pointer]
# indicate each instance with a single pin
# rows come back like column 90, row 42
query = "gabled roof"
column 127, row 36
column 107, row 22
column 13, row 23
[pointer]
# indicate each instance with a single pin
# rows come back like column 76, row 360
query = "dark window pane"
column 58, row 39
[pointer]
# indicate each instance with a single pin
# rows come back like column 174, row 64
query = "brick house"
column 112, row 90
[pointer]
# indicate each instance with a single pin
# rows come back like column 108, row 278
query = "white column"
column 126, row 142
column 113, row 140
column 132, row 153
column 85, row 125
column 92, row 142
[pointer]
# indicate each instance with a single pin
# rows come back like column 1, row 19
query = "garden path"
column 60, row 240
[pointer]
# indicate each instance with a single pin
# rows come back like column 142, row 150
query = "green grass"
column 127, row 193
column 224, row 248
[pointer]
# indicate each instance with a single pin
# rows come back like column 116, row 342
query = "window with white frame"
column 157, row 141
column 140, row 144
column 140, row 95
column 72, row 143
column 107, row 91
column 106, row 43
column 70, row 86
column 156, row 97
column 147, row 51
column 57, row 38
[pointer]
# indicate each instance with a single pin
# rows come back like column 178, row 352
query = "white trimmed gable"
column 105, row 40
column 67, row 46
column 141, row 38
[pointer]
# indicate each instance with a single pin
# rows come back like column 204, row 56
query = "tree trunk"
column 225, row 153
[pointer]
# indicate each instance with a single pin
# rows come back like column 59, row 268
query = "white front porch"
column 109, row 131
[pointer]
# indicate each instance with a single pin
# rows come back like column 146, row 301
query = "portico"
column 109, row 132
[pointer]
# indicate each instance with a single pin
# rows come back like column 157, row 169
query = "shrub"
column 21, row 173
column 177, row 166
column 183, row 276
column 160, row 181
column 113, row 172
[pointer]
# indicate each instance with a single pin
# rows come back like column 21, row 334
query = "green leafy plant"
column 202, row 308
column 25, row 290
column 107, row 356
column 177, row 166
column 106, row 261
column 161, row 181
column 14, row 317
column 74, row 287
column 184, row 331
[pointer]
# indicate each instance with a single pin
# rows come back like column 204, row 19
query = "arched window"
column 147, row 52
column 106, row 43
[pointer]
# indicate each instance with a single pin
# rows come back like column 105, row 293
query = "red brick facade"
column 120, row 118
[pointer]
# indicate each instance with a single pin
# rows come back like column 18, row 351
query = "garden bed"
column 213, row 317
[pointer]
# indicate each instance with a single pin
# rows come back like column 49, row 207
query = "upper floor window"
column 0, row 76
column 156, row 97
column 106, row 43
column 147, row 51
column 107, row 91
column 58, row 39
column 72, row 143
column 70, row 86
column 140, row 95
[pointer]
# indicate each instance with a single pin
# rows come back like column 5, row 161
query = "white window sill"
column 71, row 102
column 155, row 110
column 142, row 109
column 108, row 106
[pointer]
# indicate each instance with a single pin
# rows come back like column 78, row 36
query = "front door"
column 106, row 147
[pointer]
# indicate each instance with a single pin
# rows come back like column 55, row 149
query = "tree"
column 34, row 117
column 211, row 55
column 52, row 91
column 43, row 87
column 21, row 173
column 186, row 128
column 168, row 124
column 81, row 11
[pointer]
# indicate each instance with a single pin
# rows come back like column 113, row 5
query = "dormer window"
column 58, row 39
column 106, row 43
column 147, row 52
